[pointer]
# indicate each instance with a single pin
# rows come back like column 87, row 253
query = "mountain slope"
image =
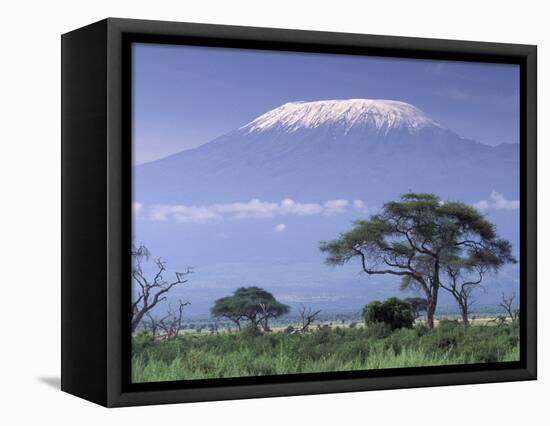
column 332, row 149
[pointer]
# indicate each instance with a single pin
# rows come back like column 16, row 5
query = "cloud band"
column 254, row 208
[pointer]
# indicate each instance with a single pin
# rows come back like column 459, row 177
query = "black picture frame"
column 96, row 211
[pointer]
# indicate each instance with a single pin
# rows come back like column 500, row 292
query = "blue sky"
column 186, row 96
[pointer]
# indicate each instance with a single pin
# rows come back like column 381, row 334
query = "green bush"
column 394, row 312
column 142, row 340
column 378, row 330
column 251, row 331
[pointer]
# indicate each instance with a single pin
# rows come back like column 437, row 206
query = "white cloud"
column 251, row 209
column 361, row 206
column 184, row 214
column 264, row 209
column 332, row 207
column 280, row 227
column 497, row 201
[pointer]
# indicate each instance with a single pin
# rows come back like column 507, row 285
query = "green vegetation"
column 393, row 312
column 426, row 243
column 253, row 353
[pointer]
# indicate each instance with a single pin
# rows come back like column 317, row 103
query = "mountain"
column 250, row 207
column 356, row 148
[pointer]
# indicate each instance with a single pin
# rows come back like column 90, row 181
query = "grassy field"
column 252, row 353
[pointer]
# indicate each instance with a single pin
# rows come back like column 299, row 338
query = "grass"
column 251, row 353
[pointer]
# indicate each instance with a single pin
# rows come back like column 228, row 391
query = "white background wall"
column 30, row 200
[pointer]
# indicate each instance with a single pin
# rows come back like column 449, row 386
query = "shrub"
column 394, row 312
column 141, row 340
column 378, row 330
column 251, row 331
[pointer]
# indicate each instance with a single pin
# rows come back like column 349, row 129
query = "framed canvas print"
column 253, row 212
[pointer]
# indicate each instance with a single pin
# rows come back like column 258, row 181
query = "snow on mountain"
column 382, row 115
column 332, row 149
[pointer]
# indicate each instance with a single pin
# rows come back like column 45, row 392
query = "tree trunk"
column 465, row 318
column 432, row 296
column 137, row 319
column 430, row 312
column 265, row 324
column 464, row 310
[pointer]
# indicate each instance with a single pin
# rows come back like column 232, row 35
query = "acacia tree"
column 226, row 307
column 150, row 291
column 254, row 304
column 415, row 238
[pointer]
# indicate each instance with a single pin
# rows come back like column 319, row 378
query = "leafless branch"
column 168, row 327
column 507, row 305
column 307, row 316
column 151, row 292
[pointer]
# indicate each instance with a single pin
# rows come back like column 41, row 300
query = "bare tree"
column 167, row 327
column 507, row 305
column 307, row 316
column 270, row 309
column 171, row 324
column 151, row 291
column 461, row 283
column 151, row 325
column 498, row 320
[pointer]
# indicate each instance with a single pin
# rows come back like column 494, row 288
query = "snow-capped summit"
column 340, row 149
column 380, row 115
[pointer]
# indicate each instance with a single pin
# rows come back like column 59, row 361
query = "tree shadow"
column 54, row 382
